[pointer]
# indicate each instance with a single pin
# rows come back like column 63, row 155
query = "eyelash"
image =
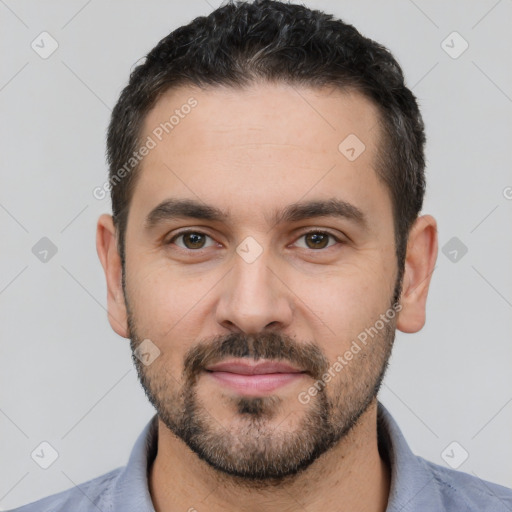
column 196, row 232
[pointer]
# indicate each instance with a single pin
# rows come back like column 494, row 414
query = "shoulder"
column 462, row 491
column 86, row 497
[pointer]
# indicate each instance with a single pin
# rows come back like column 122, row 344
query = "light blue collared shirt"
column 416, row 484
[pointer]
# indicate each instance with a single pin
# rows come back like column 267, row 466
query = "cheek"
column 157, row 301
column 342, row 304
column 169, row 307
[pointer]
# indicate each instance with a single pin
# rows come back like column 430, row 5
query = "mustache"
column 272, row 346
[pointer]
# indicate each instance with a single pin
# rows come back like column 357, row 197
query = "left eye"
column 318, row 239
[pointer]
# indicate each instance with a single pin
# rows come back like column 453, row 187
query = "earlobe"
column 108, row 254
column 420, row 262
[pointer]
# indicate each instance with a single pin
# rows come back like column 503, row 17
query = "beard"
column 252, row 449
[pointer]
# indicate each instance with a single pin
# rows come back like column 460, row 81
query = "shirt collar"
column 411, row 482
column 413, row 485
column 131, row 490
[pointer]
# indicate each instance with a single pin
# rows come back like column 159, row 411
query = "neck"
column 350, row 476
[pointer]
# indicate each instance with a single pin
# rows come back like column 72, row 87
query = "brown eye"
column 318, row 239
column 192, row 240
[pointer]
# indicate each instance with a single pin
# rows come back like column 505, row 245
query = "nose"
column 254, row 298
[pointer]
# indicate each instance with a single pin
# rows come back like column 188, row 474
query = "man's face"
column 252, row 287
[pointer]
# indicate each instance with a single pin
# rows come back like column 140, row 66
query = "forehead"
column 312, row 119
column 267, row 144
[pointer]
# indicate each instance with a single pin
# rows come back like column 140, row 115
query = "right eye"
column 192, row 240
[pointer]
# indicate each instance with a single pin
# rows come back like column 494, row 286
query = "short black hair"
column 241, row 43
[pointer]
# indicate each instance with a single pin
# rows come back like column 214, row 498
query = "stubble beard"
column 253, row 450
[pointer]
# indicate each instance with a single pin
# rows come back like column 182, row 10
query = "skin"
column 249, row 152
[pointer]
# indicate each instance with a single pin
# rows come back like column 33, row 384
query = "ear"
column 420, row 261
column 111, row 262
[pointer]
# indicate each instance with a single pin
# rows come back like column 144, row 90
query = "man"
column 266, row 175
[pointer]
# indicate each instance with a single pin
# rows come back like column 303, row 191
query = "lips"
column 254, row 378
column 253, row 367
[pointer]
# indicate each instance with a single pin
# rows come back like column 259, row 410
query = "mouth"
column 249, row 377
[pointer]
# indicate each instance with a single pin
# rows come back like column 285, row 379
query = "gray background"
column 67, row 378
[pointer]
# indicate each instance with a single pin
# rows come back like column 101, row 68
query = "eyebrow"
column 173, row 208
